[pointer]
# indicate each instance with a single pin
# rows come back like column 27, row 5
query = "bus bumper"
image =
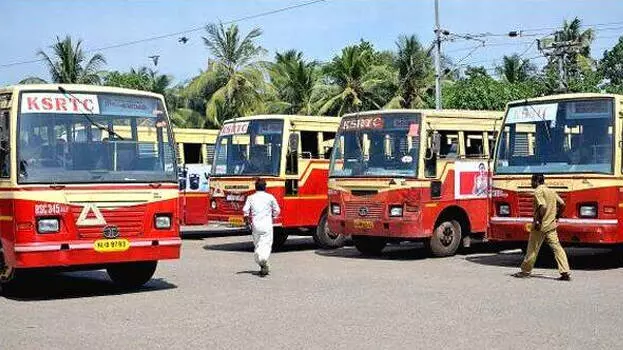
column 75, row 253
column 570, row 230
column 394, row 228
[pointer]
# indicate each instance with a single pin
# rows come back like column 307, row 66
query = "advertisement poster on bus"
column 471, row 179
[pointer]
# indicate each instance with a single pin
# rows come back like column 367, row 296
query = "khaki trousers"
column 534, row 245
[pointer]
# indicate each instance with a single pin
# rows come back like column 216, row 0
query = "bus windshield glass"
column 92, row 138
column 377, row 146
column 249, row 148
column 568, row 136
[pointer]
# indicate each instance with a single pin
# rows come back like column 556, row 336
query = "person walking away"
column 259, row 210
column 548, row 207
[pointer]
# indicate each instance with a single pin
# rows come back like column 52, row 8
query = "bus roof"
column 444, row 113
column 287, row 117
column 565, row 97
column 76, row 87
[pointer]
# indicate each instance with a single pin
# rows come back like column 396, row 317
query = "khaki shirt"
column 549, row 199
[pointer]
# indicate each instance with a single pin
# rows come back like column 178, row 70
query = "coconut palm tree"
column 234, row 79
column 514, row 69
column 293, row 80
column 69, row 64
column 353, row 82
column 415, row 73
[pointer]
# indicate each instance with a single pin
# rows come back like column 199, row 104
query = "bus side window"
column 449, row 146
column 309, row 144
column 5, row 164
column 292, row 161
column 474, row 146
column 328, row 139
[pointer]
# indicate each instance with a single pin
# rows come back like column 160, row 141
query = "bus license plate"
column 236, row 221
column 111, row 245
column 364, row 224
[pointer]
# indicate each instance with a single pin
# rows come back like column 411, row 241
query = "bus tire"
column 7, row 277
column 324, row 238
column 446, row 238
column 367, row 245
column 280, row 236
column 132, row 275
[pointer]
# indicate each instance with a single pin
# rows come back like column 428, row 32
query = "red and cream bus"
column 409, row 175
column 87, row 181
column 292, row 154
column 575, row 141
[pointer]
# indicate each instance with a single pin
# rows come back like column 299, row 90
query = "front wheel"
column 132, row 275
column 446, row 239
column 7, row 276
column 324, row 238
column 367, row 245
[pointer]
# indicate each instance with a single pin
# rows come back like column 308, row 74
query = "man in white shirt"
column 260, row 209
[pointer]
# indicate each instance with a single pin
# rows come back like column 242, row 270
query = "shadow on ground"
column 403, row 251
column 69, row 285
column 291, row 245
column 579, row 258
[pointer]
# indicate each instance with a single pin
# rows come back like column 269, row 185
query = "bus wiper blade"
column 547, row 127
column 88, row 117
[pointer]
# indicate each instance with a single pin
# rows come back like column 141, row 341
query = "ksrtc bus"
column 196, row 151
column 292, row 154
column 401, row 175
column 81, row 187
column 575, row 141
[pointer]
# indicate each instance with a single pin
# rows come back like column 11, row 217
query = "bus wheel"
column 132, row 275
column 280, row 236
column 367, row 245
column 7, row 276
column 446, row 239
column 324, row 238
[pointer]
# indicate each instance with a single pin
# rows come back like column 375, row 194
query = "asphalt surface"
column 315, row 299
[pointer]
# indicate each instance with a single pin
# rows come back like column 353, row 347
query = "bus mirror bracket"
column 436, row 143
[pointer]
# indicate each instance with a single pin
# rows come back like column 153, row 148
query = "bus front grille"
column 363, row 210
column 525, row 203
column 129, row 221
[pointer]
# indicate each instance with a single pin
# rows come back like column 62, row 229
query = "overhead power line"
column 175, row 34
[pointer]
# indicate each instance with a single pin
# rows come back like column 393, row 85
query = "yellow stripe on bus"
column 6, row 218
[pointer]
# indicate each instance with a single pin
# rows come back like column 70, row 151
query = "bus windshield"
column 377, row 146
column 92, row 138
column 569, row 136
column 249, row 148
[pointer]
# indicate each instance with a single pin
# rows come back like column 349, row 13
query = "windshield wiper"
column 89, row 119
column 547, row 127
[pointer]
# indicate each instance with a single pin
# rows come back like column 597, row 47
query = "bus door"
column 290, row 200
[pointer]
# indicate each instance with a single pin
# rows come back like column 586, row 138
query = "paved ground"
column 211, row 299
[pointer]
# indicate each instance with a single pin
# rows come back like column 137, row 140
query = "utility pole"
column 437, row 58
column 559, row 51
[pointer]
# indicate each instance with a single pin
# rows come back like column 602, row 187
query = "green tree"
column 140, row 79
column 234, row 80
column 611, row 66
column 514, row 69
column 293, row 80
column 415, row 74
column 68, row 63
column 353, row 82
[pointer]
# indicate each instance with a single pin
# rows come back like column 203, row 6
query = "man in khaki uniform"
column 547, row 209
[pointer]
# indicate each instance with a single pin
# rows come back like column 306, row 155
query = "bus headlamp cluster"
column 588, row 211
column 48, row 225
column 395, row 210
column 504, row 209
column 162, row 222
column 335, row 209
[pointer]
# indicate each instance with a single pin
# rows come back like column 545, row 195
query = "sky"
column 319, row 30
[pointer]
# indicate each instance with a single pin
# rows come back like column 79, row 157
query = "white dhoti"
column 263, row 241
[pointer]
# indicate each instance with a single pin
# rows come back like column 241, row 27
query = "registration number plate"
column 236, row 221
column 111, row 245
column 364, row 224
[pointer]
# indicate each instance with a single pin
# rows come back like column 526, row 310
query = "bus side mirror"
column 436, row 143
column 430, row 163
column 293, row 143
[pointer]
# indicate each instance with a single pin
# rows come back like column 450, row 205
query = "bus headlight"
column 213, row 204
column 48, row 225
column 588, row 211
column 335, row 209
column 162, row 222
column 395, row 210
column 504, row 209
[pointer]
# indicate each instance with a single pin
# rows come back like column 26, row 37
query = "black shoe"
column 564, row 277
column 521, row 274
column 264, row 269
